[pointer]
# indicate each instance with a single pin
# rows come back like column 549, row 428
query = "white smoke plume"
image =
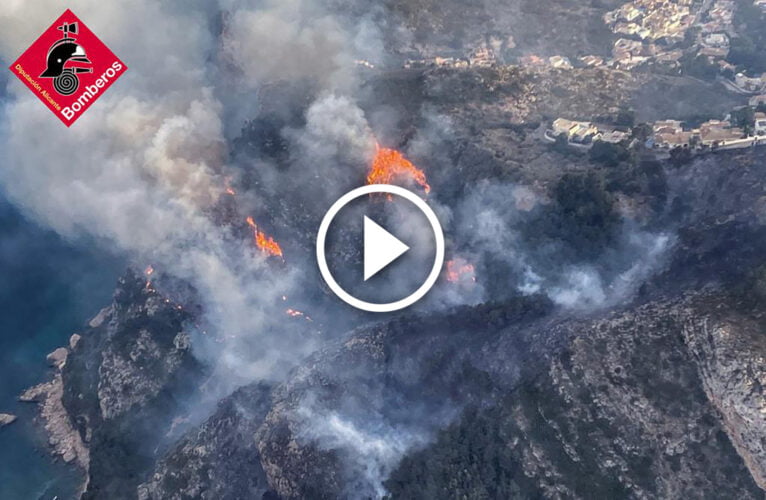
column 335, row 141
column 371, row 448
column 142, row 168
column 490, row 220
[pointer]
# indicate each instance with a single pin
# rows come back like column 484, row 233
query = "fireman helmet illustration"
column 60, row 55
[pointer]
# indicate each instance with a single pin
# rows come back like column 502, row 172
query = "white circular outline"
column 372, row 306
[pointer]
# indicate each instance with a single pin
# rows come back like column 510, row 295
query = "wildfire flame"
column 265, row 244
column 227, row 187
column 148, row 273
column 458, row 269
column 297, row 314
column 390, row 164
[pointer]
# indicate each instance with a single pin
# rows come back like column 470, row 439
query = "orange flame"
column 390, row 164
column 458, row 269
column 148, row 272
column 265, row 244
column 227, row 186
column 297, row 314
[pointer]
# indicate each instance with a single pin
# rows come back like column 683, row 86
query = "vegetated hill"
column 657, row 400
column 642, row 403
column 513, row 26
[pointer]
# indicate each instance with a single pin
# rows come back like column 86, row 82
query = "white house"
column 760, row 124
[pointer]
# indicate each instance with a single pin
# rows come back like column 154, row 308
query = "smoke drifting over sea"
column 145, row 170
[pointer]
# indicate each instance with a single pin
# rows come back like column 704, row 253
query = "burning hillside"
column 265, row 243
column 390, row 165
column 459, row 270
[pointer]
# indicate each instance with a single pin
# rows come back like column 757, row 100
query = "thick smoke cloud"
column 143, row 170
column 332, row 149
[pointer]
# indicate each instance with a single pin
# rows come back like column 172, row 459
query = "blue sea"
column 49, row 289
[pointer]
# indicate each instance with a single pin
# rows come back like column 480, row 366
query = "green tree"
column 680, row 156
column 608, row 153
column 584, row 213
column 626, row 117
column 562, row 145
column 744, row 118
column 642, row 132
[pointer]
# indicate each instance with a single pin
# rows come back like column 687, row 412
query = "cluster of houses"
column 652, row 19
column 649, row 29
column 719, row 18
column 713, row 46
column 627, row 54
column 437, row 62
column 583, row 134
column 652, row 29
column 553, row 61
column 713, row 134
column 482, row 56
column 668, row 135
column 750, row 85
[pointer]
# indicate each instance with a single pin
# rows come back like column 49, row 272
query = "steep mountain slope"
column 218, row 460
column 123, row 383
column 622, row 412
column 620, row 405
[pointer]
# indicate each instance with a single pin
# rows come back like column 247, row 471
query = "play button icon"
column 381, row 249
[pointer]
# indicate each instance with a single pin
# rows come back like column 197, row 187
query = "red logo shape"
column 68, row 68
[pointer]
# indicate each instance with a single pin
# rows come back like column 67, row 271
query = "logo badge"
column 68, row 68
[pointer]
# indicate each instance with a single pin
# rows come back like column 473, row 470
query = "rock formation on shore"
column 6, row 419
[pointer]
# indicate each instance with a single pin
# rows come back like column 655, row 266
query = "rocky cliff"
column 219, row 459
column 621, row 412
column 639, row 403
column 663, row 398
column 117, row 388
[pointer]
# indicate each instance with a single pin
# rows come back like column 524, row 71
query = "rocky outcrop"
column 662, row 399
column 58, row 357
column 649, row 402
column 6, row 419
column 619, row 413
column 124, row 384
column 219, row 459
column 63, row 439
column 730, row 352
column 117, row 387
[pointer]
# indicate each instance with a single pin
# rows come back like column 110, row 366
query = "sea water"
column 49, row 288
